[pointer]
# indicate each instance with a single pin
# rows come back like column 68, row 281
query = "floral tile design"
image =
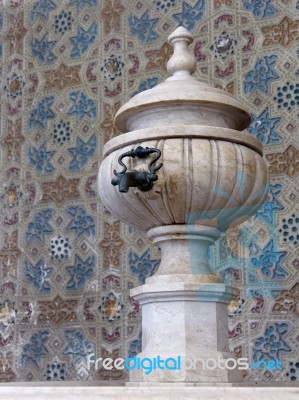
column 273, row 344
column 262, row 75
column 38, row 275
column 82, row 106
column 39, row 226
column 80, row 4
column 82, row 153
column 80, row 272
column 41, row 9
column 260, row 8
column 42, row 49
column 42, row 113
column 36, row 349
column 80, row 222
column 83, row 39
column 191, row 14
column 264, row 127
column 143, row 27
column 41, row 159
column 268, row 260
column 77, row 347
column 143, row 266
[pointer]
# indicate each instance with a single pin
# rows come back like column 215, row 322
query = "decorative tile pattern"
column 13, row 141
column 260, row 9
column 36, row 349
column 263, row 127
column 82, row 153
column 38, row 275
column 273, row 344
column 157, row 59
column 80, row 272
column 286, row 162
column 39, row 226
column 8, row 315
column 107, row 126
column 112, row 67
column 14, row 86
column 42, row 113
column 284, row 33
column 293, row 371
column 191, row 14
column 147, row 84
column 41, row 9
column 9, row 254
column 143, row 266
column 57, row 311
column 287, row 96
column 42, row 49
column 60, row 248
column 77, row 347
column 62, row 132
column 112, row 13
column 12, row 195
column 16, row 32
column 41, row 159
column 81, row 223
column 66, row 68
column 80, row 4
column 287, row 301
column 272, row 205
column 290, row 229
column 262, row 75
column 268, row 260
column 112, row 245
column 63, row 77
column 135, row 346
column 6, row 372
column 56, row 371
column 63, row 22
column 224, row 46
column 110, row 307
column 83, row 39
column 143, row 27
column 82, row 106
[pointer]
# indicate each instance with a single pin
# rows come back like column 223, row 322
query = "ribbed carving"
column 212, row 182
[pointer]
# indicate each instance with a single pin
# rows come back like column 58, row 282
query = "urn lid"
column 181, row 88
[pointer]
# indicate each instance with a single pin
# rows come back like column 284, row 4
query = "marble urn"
column 183, row 170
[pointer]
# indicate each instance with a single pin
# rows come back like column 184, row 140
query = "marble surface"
column 195, row 174
column 168, row 332
column 74, row 392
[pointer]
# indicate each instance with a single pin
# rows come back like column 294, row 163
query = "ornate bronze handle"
column 142, row 180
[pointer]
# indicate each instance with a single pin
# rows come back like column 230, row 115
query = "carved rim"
column 127, row 110
column 183, row 132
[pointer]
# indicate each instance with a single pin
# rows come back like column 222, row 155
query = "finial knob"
column 182, row 63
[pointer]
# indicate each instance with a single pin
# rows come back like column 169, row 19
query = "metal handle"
column 142, row 180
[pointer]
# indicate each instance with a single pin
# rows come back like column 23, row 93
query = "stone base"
column 189, row 321
column 184, row 312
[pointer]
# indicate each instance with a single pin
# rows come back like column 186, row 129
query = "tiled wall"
column 66, row 265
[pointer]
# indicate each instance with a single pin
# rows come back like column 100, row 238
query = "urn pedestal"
column 212, row 177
